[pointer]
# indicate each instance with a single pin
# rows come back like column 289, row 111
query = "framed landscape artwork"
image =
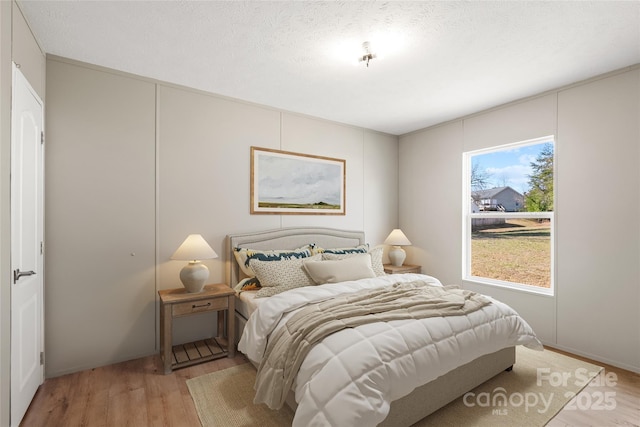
column 283, row 182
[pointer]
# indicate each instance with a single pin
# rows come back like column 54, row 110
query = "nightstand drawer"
column 211, row 304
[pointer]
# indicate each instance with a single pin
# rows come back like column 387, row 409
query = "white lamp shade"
column 397, row 238
column 194, row 248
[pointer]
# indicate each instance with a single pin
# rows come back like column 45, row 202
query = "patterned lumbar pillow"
column 280, row 276
column 361, row 249
column 243, row 256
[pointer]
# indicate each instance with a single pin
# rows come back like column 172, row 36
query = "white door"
column 27, row 167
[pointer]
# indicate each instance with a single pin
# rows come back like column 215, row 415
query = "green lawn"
column 518, row 251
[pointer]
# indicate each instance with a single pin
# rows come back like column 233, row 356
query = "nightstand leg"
column 166, row 331
column 231, row 326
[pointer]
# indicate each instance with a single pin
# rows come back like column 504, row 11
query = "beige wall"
column 17, row 44
column 596, row 309
column 134, row 166
column 27, row 53
column 599, row 244
column 100, row 218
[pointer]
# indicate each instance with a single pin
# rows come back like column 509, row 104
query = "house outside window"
column 508, row 216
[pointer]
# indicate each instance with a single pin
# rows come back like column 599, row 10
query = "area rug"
column 538, row 387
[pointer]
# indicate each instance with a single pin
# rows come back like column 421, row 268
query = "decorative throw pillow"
column 247, row 284
column 376, row 259
column 280, row 276
column 351, row 268
column 243, row 256
column 361, row 249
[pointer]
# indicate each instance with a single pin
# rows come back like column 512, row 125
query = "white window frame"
column 467, row 216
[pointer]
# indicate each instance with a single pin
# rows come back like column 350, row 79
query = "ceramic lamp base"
column 397, row 256
column 193, row 276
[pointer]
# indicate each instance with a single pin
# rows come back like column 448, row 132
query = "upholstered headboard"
column 287, row 238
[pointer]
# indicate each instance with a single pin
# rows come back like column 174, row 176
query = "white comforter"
column 352, row 376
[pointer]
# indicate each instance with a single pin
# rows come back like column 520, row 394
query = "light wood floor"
column 136, row 393
column 623, row 390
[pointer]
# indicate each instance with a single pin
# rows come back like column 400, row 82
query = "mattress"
column 247, row 303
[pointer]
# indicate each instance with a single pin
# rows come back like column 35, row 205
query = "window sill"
column 548, row 292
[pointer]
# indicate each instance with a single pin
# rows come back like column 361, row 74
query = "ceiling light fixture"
column 368, row 56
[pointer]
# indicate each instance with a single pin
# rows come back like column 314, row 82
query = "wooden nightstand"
column 405, row 268
column 178, row 303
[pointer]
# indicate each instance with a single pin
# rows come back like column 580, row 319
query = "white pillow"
column 351, row 268
column 376, row 259
column 280, row 276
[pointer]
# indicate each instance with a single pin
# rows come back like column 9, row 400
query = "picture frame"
column 284, row 182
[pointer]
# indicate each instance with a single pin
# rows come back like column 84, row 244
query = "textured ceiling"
column 438, row 60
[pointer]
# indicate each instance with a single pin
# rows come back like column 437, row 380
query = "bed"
column 400, row 401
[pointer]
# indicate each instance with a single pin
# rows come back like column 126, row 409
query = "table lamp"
column 397, row 239
column 195, row 274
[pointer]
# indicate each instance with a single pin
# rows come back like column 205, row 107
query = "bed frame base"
column 432, row 396
column 427, row 399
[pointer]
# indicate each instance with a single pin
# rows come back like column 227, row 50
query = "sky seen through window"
column 509, row 167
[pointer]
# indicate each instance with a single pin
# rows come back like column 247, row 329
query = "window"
column 508, row 215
